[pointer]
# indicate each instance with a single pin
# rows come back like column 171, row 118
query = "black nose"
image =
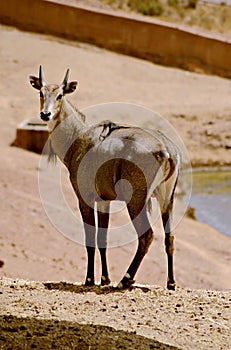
column 45, row 116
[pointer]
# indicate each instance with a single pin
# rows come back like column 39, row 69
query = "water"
column 211, row 198
column 218, row 2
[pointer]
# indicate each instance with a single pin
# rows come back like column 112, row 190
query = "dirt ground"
column 70, row 316
column 198, row 106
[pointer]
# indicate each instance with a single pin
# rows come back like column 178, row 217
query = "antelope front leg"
column 103, row 220
column 89, row 227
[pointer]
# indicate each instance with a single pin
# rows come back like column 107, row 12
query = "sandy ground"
column 199, row 108
column 68, row 316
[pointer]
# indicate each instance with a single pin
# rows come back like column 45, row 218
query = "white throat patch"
column 51, row 124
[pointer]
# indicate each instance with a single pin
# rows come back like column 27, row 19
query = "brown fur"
column 108, row 162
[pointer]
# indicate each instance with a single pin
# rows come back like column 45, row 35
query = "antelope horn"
column 64, row 83
column 41, row 77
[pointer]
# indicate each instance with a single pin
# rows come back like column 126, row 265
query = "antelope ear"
column 70, row 87
column 35, row 82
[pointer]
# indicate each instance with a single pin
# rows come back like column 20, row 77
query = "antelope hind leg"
column 169, row 239
column 141, row 223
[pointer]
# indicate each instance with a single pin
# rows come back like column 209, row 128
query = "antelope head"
column 51, row 96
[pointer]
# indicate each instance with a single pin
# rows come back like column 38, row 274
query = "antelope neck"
column 67, row 128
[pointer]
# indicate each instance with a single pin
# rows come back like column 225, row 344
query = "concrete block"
column 31, row 134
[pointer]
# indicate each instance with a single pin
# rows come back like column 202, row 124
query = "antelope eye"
column 59, row 97
column 41, row 94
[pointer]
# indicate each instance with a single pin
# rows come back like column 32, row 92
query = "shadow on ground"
column 32, row 333
column 76, row 288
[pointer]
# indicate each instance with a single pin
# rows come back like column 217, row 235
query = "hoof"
column 89, row 282
column 171, row 286
column 105, row 281
column 126, row 282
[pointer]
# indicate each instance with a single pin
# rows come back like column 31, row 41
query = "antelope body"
column 109, row 162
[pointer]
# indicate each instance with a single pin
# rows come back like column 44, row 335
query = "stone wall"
column 165, row 44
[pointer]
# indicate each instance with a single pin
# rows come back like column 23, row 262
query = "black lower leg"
column 103, row 221
column 89, row 227
column 169, row 250
column 144, row 243
column 105, row 280
column 145, row 234
column 90, row 279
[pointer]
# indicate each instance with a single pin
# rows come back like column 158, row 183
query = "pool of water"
column 211, row 198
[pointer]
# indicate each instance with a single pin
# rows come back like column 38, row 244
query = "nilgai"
column 109, row 162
